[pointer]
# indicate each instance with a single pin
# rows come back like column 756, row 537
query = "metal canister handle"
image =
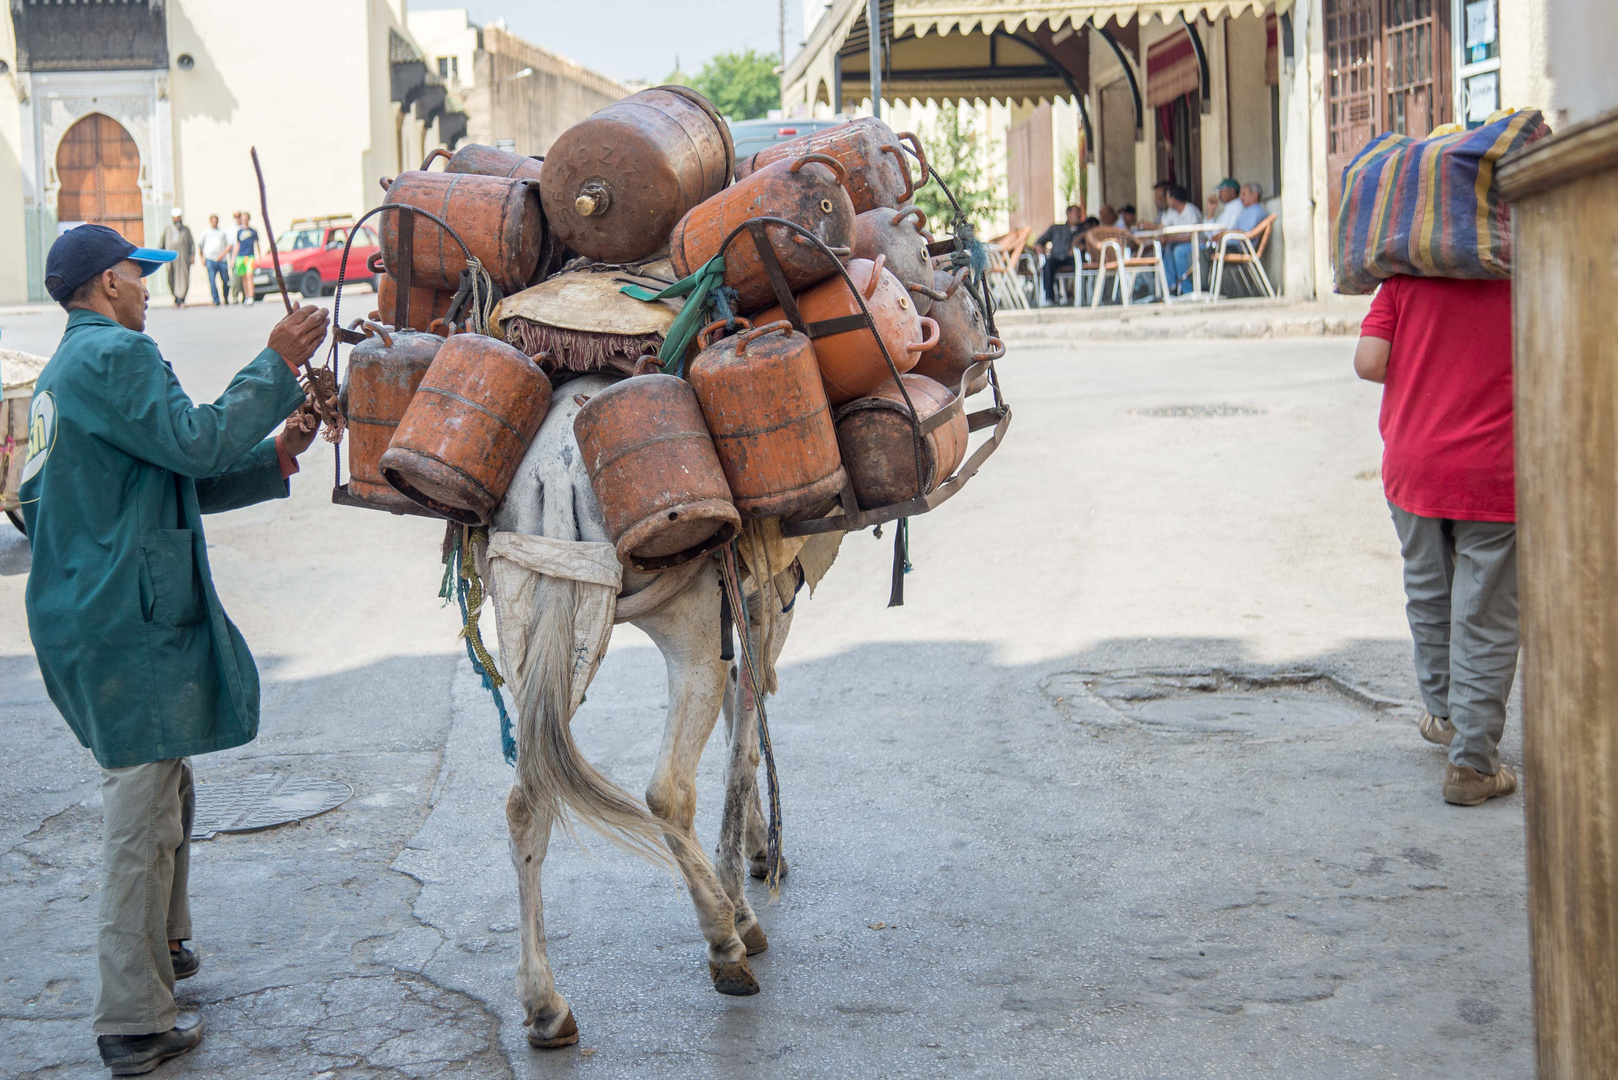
column 995, row 351
column 433, row 155
column 912, row 211
column 376, row 330
column 960, row 276
column 821, row 159
column 920, row 156
column 757, row 332
column 386, row 182
column 704, row 338
column 374, row 263
column 928, row 340
column 904, row 170
column 648, row 365
column 876, row 274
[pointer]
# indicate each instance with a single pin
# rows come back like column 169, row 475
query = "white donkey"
column 551, row 496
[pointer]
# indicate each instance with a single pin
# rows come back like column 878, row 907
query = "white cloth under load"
column 515, row 564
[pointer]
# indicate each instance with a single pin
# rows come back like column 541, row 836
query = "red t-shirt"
column 1446, row 404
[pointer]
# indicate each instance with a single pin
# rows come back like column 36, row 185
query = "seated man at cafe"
column 1177, row 251
column 1056, row 245
column 1127, row 217
column 1106, row 215
column 1227, row 203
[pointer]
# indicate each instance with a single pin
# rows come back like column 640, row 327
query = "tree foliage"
column 960, row 155
column 742, row 86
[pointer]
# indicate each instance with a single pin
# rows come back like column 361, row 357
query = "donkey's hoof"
column 759, row 867
column 564, row 1034
column 735, row 979
column 753, row 937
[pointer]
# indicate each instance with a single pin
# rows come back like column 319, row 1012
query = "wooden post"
column 1565, row 313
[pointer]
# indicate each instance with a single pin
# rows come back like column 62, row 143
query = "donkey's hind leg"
column 686, row 631
column 545, row 1012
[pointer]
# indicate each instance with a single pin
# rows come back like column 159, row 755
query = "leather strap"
column 778, row 278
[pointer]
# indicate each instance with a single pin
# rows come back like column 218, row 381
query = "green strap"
column 696, row 290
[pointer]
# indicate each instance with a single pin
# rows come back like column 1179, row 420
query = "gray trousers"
column 145, row 864
column 1461, row 600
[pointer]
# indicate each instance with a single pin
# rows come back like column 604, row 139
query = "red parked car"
column 311, row 252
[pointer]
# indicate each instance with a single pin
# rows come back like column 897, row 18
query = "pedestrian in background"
column 1441, row 348
column 177, row 238
column 134, row 647
column 245, row 248
column 215, row 247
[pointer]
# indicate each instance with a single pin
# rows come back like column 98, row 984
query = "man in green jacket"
column 133, row 645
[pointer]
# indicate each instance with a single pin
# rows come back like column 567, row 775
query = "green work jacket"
column 134, row 647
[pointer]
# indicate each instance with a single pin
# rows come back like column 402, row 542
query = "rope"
column 462, row 581
column 730, row 573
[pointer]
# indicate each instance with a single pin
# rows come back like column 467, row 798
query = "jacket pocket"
column 176, row 595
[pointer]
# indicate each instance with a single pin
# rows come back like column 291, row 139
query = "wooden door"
column 1415, row 49
column 1353, row 31
column 98, row 165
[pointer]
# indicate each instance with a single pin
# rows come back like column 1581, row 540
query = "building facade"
column 123, row 110
column 1108, row 98
column 517, row 95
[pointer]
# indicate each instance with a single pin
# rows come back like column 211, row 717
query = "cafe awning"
column 993, row 50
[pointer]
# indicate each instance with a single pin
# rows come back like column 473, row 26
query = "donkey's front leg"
column 687, row 633
column 741, row 802
column 545, row 1012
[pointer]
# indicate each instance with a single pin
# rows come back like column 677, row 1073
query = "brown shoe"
column 1465, row 786
column 1436, row 729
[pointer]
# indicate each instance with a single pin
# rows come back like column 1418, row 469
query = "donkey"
column 551, row 496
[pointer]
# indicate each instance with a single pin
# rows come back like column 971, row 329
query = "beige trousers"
column 146, row 815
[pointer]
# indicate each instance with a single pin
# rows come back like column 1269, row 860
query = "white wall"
column 13, row 235
column 1580, row 72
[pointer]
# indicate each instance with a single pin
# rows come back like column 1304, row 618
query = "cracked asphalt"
column 1056, row 817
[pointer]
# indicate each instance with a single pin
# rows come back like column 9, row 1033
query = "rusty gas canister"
column 878, row 174
column 807, row 191
column 900, row 237
column 878, row 442
column 655, row 472
column 426, row 309
column 383, row 373
column 460, row 441
column 963, row 336
column 615, row 183
column 762, row 397
column 499, row 219
column 851, row 362
column 487, row 161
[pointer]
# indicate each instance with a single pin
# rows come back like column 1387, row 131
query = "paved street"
column 1129, row 788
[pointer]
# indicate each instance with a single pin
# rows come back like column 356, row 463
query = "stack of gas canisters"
column 823, row 370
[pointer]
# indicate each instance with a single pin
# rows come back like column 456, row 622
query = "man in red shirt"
column 1441, row 347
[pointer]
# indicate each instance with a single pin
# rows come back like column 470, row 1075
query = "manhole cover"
column 1218, row 702
column 262, row 801
column 1197, row 412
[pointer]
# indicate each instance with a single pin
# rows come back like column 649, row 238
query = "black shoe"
column 185, row 960
column 131, row 1055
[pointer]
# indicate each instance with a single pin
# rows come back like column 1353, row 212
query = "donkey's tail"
column 551, row 772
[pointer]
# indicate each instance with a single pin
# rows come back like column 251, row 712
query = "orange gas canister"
column 425, row 311
column 963, row 337
column 655, row 473
column 900, row 237
column 807, row 191
column 463, row 436
column 383, row 373
column 761, row 394
column 616, row 182
column 878, row 174
column 499, row 218
column 878, row 442
column 487, row 161
column 851, row 363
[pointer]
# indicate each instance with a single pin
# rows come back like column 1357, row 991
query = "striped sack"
column 1430, row 208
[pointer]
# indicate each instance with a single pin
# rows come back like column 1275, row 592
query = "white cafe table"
column 1193, row 234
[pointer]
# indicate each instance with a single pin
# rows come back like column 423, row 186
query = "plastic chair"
column 1249, row 255
column 1126, row 269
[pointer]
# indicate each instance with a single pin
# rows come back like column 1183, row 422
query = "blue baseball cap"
column 80, row 254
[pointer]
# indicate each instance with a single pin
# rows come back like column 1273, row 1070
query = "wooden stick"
column 264, row 215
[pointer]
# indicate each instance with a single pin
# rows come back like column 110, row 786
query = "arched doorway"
column 98, row 165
